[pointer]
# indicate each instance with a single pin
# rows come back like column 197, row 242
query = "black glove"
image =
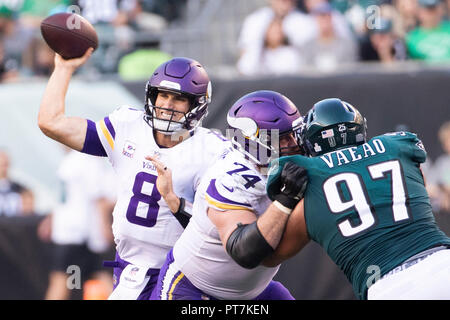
column 293, row 183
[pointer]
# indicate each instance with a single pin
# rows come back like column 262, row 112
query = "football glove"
column 293, row 182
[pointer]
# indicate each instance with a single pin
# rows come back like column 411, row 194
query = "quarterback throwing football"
column 145, row 228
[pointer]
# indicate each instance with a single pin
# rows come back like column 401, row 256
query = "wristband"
column 182, row 215
column 282, row 208
column 286, row 201
column 181, row 206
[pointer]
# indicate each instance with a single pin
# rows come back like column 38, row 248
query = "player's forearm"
column 295, row 237
column 181, row 209
column 173, row 202
column 52, row 119
column 271, row 225
column 53, row 101
column 249, row 244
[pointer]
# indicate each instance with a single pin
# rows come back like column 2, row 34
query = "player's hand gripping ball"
column 69, row 34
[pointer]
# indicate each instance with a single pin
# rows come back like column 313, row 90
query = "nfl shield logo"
column 128, row 149
column 133, row 271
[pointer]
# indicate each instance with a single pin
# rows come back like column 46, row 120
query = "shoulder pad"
column 234, row 185
column 125, row 114
column 408, row 144
column 224, row 195
column 401, row 134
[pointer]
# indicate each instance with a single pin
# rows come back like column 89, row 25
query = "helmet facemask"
column 298, row 127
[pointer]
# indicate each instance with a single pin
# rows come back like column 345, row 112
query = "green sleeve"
column 409, row 145
column 273, row 180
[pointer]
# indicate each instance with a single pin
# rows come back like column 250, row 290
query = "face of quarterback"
column 173, row 105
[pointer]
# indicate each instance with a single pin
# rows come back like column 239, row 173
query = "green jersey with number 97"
column 367, row 206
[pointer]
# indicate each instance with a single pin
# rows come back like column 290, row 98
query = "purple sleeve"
column 92, row 144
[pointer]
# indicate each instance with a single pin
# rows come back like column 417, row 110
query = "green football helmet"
column 332, row 124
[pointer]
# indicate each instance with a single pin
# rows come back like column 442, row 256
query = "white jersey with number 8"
column 144, row 228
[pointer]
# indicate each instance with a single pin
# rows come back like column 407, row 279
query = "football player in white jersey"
column 145, row 228
column 208, row 260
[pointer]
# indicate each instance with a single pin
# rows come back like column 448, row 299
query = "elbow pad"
column 247, row 246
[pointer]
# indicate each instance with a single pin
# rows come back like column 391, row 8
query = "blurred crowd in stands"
column 15, row 199
column 283, row 37
column 128, row 31
column 289, row 36
column 437, row 173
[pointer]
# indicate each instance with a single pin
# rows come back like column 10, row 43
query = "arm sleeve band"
column 183, row 215
column 92, row 144
column 247, row 246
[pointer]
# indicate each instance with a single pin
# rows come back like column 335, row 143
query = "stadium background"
column 407, row 95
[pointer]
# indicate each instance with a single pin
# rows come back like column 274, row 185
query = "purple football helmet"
column 180, row 76
column 259, row 120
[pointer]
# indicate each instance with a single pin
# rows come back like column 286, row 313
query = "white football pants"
column 428, row 279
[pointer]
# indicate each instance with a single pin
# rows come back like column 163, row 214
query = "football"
column 69, row 34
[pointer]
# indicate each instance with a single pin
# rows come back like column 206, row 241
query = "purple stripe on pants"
column 185, row 290
column 120, row 264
